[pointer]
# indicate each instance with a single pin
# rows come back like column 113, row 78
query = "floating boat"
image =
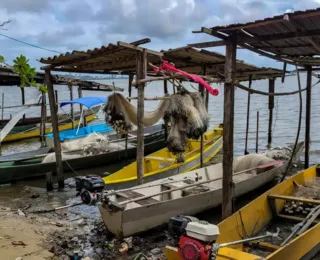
column 130, row 211
column 293, row 205
column 162, row 163
column 29, row 164
column 29, row 131
column 80, row 132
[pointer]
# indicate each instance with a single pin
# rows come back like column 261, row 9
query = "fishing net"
column 185, row 113
column 250, row 161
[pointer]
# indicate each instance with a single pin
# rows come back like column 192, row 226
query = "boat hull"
column 142, row 218
column 34, row 168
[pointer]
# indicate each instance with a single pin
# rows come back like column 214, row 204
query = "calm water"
column 285, row 121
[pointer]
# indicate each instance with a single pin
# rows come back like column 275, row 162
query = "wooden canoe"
column 29, row 131
column 162, row 163
column 29, row 164
column 150, row 205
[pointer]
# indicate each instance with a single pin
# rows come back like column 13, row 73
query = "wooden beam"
column 43, row 119
column 271, row 106
column 55, row 130
column 308, row 117
column 92, row 55
column 248, row 117
column 136, row 48
column 228, row 127
column 71, row 98
column 261, row 38
column 140, row 74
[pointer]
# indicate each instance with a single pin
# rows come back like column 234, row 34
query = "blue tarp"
column 86, row 101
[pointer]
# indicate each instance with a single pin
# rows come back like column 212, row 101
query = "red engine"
column 192, row 249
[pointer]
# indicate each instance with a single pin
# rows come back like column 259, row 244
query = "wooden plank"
column 308, row 118
column 292, row 198
column 271, row 106
column 228, row 127
column 157, row 158
column 295, row 218
column 55, row 130
column 136, row 48
column 130, row 194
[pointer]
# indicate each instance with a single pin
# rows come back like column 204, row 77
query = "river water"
column 285, row 119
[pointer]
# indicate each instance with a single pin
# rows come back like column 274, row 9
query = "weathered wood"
column 23, row 99
column 2, row 105
column 43, row 118
column 152, row 79
column 57, row 99
column 262, row 38
column 228, row 125
column 284, row 72
column 71, row 98
column 55, row 130
column 271, row 106
column 130, row 85
column 308, row 117
column 49, row 182
column 141, row 74
column 81, row 107
column 136, row 48
column 248, row 117
column 257, row 133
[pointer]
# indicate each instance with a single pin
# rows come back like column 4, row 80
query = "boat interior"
column 164, row 160
column 294, row 201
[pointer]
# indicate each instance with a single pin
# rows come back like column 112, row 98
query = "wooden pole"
column 2, row 105
column 57, row 99
column 43, row 119
column 55, row 130
column 257, row 133
column 308, row 116
column 80, row 96
column 141, row 74
column 271, row 106
column 71, row 98
column 248, row 117
column 228, row 123
column 130, row 92
column 23, row 97
column 165, row 91
column 49, row 181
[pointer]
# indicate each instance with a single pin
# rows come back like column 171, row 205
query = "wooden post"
column 141, row 74
column 271, row 106
column 49, row 181
column 23, row 97
column 257, row 133
column 2, row 105
column 57, row 99
column 308, row 116
column 55, row 130
column 228, row 123
column 71, row 98
column 130, row 92
column 80, row 96
column 248, row 117
column 165, row 91
column 43, row 119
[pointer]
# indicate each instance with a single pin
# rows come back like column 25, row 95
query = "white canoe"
column 146, row 206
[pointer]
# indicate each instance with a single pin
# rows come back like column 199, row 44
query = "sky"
column 66, row 25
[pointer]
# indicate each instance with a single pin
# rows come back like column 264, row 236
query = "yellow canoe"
column 163, row 164
column 35, row 131
column 272, row 209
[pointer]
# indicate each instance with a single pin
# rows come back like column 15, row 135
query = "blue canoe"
column 80, row 132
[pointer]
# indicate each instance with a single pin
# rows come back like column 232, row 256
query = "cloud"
column 65, row 25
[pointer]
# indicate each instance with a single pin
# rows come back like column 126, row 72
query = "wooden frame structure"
column 292, row 38
column 131, row 59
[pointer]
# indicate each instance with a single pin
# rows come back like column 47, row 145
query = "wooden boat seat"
column 130, row 194
column 159, row 158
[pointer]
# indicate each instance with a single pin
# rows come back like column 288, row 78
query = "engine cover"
column 191, row 249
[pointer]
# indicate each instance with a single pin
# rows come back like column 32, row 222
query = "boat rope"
column 298, row 130
column 253, row 91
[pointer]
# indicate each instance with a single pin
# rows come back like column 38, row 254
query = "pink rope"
column 169, row 67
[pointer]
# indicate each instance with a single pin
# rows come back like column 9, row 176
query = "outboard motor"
column 89, row 188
